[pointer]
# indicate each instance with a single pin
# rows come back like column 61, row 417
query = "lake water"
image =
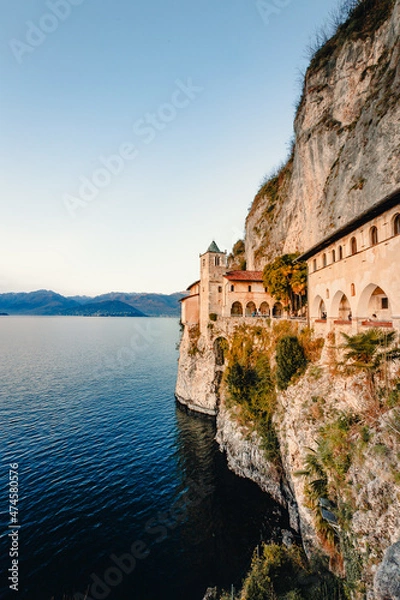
column 120, row 491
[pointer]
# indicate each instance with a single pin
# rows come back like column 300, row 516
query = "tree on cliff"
column 286, row 279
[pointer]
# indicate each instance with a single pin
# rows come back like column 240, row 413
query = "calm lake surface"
column 109, row 465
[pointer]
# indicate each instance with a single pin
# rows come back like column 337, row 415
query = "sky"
column 133, row 133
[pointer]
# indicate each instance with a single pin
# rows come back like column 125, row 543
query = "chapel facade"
column 225, row 293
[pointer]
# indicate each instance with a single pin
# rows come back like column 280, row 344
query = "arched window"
column 314, row 264
column 333, row 256
column 217, row 261
column 251, row 309
column 373, row 236
column 236, row 310
column 264, row 309
column 232, row 288
column 353, row 245
column 340, row 252
column 219, row 289
column 324, row 260
column 277, row 310
column 396, row 224
column 249, row 288
column 353, row 289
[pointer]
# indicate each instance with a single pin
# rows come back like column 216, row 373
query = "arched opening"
column 340, row 252
column 324, row 261
column 340, row 307
column 353, row 246
column 251, row 309
column 220, row 348
column 333, row 256
column 373, row 236
column 396, row 224
column 322, row 314
column 344, row 309
column 264, row 309
column 277, row 311
column 375, row 304
column 237, row 310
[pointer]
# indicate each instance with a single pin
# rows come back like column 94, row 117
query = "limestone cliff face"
column 370, row 487
column 345, row 159
column 197, row 382
column 347, row 142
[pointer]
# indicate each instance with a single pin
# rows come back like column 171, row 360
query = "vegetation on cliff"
column 353, row 19
column 237, row 258
column 286, row 280
column 283, row 573
column 251, row 382
column 345, row 440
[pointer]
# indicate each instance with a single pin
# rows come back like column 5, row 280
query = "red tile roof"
column 187, row 297
column 244, row 275
column 192, row 285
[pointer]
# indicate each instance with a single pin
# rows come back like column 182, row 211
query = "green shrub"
column 290, row 360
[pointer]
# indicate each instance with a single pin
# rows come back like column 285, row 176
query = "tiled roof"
column 187, row 297
column 244, row 275
column 193, row 284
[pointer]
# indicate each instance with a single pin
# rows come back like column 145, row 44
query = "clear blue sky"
column 197, row 97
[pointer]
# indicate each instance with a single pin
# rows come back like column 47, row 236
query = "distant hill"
column 106, row 308
column 47, row 302
column 153, row 305
column 42, row 302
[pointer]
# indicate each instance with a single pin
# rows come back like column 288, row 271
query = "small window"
column 333, row 256
column 232, row 288
column 217, row 261
column 373, row 234
column 385, row 303
column 340, row 252
column 220, row 289
column 204, row 262
column 249, row 288
column 324, row 260
column 327, row 294
column 353, row 246
column 396, row 225
column 353, row 289
column 314, row 264
column 266, row 290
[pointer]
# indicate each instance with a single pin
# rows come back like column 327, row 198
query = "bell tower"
column 213, row 264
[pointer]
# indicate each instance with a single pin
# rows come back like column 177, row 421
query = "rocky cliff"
column 347, row 139
column 345, row 158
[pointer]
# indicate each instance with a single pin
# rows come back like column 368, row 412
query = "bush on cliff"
column 290, row 360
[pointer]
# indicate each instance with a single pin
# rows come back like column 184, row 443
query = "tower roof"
column 213, row 247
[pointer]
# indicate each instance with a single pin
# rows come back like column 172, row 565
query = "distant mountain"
column 153, row 305
column 107, row 308
column 47, row 302
column 42, row 302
